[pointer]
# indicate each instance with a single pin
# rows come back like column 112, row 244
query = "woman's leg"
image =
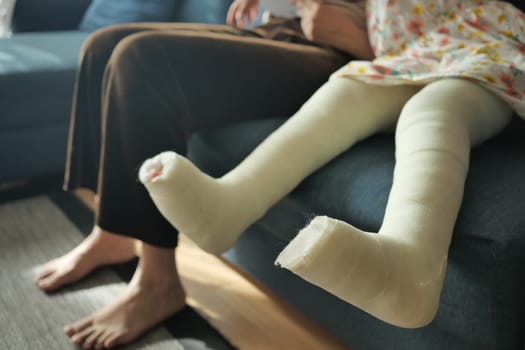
column 158, row 88
column 215, row 212
column 207, row 80
column 82, row 168
column 397, row 275
column 241, row 61
column 101, row 247
column 277, row 67
column 98, row 249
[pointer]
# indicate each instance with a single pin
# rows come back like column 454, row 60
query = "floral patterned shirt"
column 417, row 42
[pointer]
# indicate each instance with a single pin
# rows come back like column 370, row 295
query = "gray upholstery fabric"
column 481, row 306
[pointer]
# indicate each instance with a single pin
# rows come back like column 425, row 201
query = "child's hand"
column 243, row 12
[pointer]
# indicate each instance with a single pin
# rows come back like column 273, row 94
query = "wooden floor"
column 247, row 314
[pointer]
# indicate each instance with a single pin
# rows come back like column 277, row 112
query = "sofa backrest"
column 192, row 11
column 38, row 15
column 41, row 15
column 52, row 15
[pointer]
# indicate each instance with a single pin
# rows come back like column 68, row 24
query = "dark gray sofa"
column 482, row 305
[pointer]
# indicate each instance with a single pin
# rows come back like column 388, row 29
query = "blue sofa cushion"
column 37, row 73
column 48, row 15
column 192, row 11
column 102, row 13
column 482, row 301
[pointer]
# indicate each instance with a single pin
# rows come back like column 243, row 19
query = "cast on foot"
column 391, row 279
column 98, row 249
column 211, row 212
column 143, row 305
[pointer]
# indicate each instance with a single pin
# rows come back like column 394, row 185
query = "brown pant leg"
column 160, row 86
column 83, row 157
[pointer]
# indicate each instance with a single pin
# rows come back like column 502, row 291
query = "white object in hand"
column 281, row 8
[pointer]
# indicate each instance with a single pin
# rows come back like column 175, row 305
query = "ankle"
column 158, row 282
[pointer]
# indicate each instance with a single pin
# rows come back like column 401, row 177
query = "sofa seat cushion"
column 481, row 304
column 355, row 186
column 37, row 74
column 22, row 149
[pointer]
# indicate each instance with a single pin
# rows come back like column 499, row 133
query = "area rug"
column 36, row 229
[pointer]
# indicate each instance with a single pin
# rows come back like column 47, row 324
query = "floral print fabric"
column 417, row 42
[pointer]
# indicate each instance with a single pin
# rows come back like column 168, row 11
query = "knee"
column 136, row 51
column 100, row 44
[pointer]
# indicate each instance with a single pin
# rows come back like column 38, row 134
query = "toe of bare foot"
column 56, row 275
column 78, row 326
column 49, row 283
column 98, row 249
column 138, row 309
column 43, row 278
column 92, row 335
column 81, row 337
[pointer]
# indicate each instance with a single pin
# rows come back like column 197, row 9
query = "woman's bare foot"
column 152, row 296
column 98, row 249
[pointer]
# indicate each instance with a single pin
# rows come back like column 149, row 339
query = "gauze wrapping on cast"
column 395, row 275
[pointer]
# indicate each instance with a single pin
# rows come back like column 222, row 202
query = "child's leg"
column 214, row 213
column 397, row 275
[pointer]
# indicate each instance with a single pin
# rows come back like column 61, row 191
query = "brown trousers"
column 145, row 88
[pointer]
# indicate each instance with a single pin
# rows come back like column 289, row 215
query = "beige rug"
column 32, row 231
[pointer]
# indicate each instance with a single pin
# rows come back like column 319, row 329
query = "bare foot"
column 98, row 249
column 143, row 305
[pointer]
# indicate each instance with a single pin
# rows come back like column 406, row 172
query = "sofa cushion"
column 48, row 15
column 21, row 150
column 191, row 11
column 102, row 13
column 355, row 186
column 482, row 301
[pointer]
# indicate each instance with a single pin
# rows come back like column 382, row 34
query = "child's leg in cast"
column 214, row 212
column 397, row 275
